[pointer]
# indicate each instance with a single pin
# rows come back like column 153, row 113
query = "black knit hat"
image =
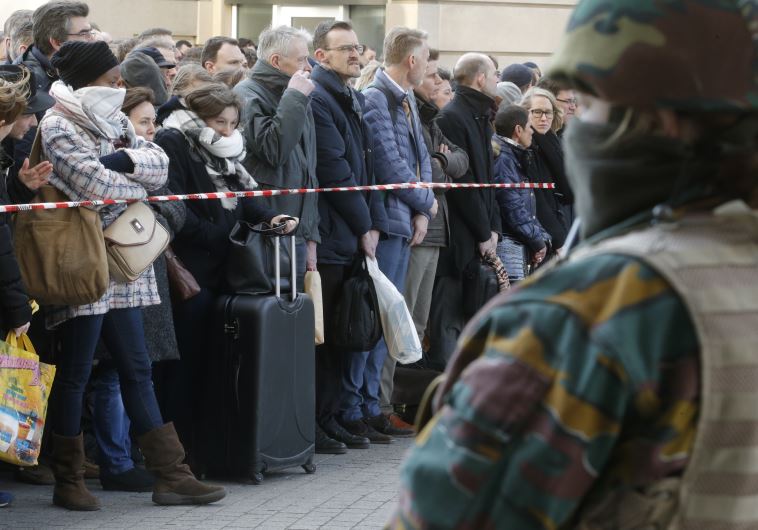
column 79, row 63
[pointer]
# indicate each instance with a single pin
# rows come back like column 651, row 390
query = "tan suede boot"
column 174, row 483
column 68, row 467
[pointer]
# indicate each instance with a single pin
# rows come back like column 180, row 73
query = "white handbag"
column 133, row 242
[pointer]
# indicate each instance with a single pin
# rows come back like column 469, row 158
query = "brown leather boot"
column 39, row 475
column 68, row 467
column 174, row 483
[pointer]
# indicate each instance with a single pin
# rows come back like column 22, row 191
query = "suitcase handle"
column 293, row 267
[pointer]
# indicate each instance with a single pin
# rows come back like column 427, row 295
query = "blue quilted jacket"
column 396, row 155
column 518, row 208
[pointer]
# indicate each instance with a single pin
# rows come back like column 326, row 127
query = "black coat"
column 17, row 191
column 44, row 75
column 15, row 310
column 344, row 158
column 203, row 242
column 553, row 207
column 474, row 214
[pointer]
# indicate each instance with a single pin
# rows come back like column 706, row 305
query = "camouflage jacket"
column 576, row 387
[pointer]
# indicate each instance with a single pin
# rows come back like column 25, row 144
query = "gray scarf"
column 275, row 80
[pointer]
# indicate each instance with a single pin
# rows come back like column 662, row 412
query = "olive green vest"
column 711, row 261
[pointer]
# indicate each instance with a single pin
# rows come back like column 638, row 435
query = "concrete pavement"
column 356, row 490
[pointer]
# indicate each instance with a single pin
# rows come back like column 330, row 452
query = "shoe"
column 135, row 479
column 399, row 423
column 39, row 475
column 337, row 432
column 5, row 499
column 68, row 468
column 175, row 484
column 91, row 469
column 391, row 425
column 361, row 428
column 381, row 424
column 328, row 446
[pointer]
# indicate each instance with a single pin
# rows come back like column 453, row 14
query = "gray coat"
column 280, row 140
column 159, row 319
column 445, row 168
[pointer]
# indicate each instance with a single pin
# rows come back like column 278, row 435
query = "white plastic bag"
column 399, row 330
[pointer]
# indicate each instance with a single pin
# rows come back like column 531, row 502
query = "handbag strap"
column 268, row 230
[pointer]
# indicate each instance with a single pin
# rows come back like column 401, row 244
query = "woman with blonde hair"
column 189, row 76
column 367, row 75
column 554, row 208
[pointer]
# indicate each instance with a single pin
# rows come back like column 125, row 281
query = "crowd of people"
column 124, row 119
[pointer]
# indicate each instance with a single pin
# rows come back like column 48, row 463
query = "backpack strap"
column 390, row 100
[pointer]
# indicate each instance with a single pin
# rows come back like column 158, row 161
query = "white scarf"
column 96, row 109
column 222, row 155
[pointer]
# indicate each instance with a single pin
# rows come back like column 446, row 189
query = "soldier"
column 617, row 389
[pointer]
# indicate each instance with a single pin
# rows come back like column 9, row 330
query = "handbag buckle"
column 137, row 226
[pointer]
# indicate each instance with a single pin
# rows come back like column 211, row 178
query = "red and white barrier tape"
column 11, row 208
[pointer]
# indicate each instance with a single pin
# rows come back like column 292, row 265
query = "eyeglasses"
column 85, row 34
column 570, row 102
column 539, row 113
column 348, row 48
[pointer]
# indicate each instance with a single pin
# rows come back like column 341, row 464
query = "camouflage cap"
column 683, row 54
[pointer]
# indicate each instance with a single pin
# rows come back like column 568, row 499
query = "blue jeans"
column 123, row 335
column 363, row 371
column 110, row 422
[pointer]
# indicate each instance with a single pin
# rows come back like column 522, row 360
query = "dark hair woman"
column 139, row 107
column 96, row 154
column 206, row 151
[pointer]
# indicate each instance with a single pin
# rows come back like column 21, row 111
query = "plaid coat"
column 78, row 173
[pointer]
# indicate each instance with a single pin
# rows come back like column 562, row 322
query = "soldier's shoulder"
column 610, row 295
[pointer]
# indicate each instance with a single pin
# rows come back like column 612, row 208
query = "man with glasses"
column 55, row 22
column 566, row 99
column 279, row 133
column 350, row 223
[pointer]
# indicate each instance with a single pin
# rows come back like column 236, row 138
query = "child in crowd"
column 525, row 242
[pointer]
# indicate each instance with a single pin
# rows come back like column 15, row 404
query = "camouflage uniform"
column 586, row 379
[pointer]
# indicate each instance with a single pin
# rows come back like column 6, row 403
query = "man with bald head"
column 473, row 214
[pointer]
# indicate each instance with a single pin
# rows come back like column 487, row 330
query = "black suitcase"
column 263, row 391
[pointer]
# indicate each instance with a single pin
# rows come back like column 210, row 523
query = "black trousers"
column 446, row 320
column 329, row 360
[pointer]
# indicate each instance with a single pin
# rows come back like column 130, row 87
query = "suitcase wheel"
column 309, row 468
column 257, row 478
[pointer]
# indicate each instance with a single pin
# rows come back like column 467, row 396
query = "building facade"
column 511, row 31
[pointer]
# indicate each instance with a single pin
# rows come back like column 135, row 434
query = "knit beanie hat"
column 518, row 74
column 510, row 93
column 79, row 63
